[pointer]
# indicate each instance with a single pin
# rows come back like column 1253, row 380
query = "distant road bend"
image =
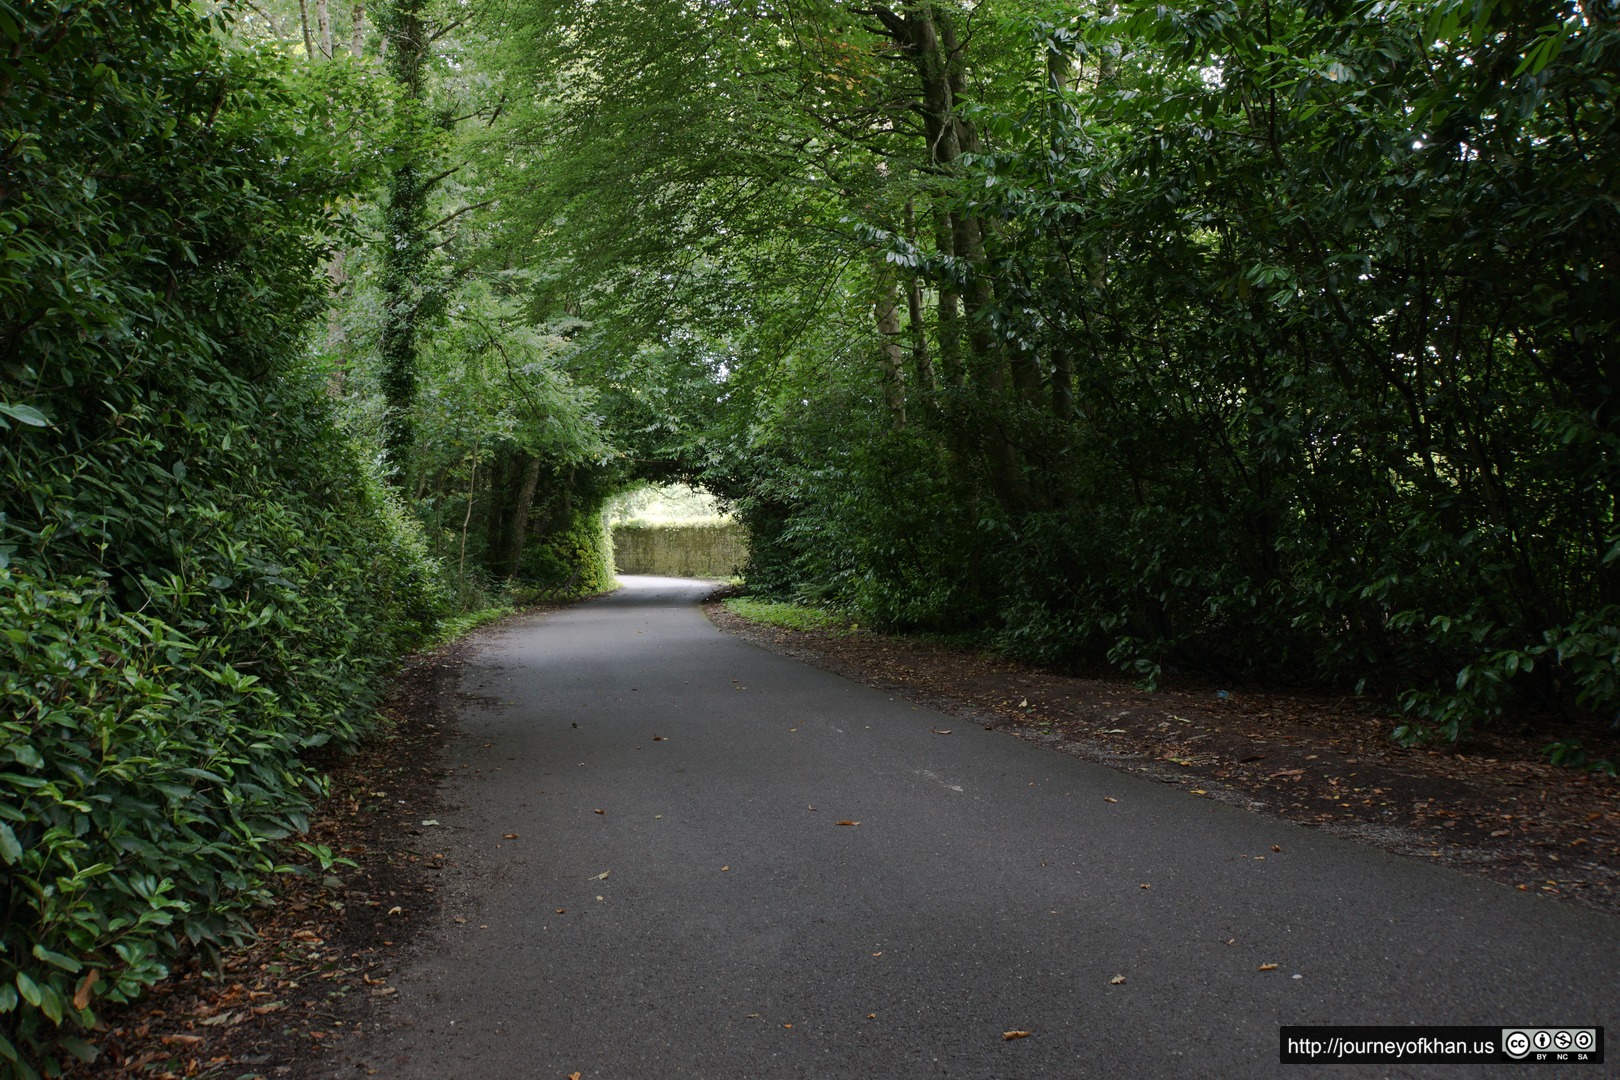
column 729, row 864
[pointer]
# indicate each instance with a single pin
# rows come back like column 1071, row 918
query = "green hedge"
column 199, row 579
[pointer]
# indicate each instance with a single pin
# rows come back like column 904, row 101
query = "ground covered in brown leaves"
column 1492, row 806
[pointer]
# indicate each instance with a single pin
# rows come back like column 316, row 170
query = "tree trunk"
column 950, row 315
column 323, row 25
column 891, row 358
column 357, row 36
column 309, row 40
column 927, row 36
column 921, row 361
column 406, row 249
column 520, row 512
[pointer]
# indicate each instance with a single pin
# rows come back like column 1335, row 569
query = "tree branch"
column 448, row 218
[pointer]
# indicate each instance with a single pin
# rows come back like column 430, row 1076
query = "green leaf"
column 24, row 754
column 10, row 850
column 80, row 1049
column 56, row 959
column 29, row 989
column 24, row 414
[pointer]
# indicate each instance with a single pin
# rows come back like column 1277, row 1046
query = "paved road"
column 679, row 793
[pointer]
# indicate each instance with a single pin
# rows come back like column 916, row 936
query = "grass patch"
column 791, row 616
column 458, row 625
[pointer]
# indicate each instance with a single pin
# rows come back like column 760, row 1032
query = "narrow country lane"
column 686, row 894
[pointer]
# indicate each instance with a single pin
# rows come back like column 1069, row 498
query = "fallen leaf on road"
column 603, row 875
column 1116, row 980
column 787, row 1025
column 659, row 738
column 395, row 910
column 1276, row 847
column 512, row 835
column 940, row 731
column 871, row 1016
column 1109, row 798
column 573, row 1076
column 809, row 808
column 181, row 1040
column 849, row 823
column 599, row 811
column 1011, row 1035
column 723, row 869
column 1267, row 967
column 1144, row 885
column 430, row 821
column 1199, row 791
column 562, row 911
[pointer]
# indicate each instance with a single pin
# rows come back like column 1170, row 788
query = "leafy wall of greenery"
column 200, row 578
column 1276, row 339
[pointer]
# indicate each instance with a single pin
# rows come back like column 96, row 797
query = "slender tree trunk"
column 466, row 522
column 357, row 35
column 309, row 40
column 922, row 362
column 950, row 316
column 406, row 252
column 520, row 512
column 323, row 25
column 498, row 512
column 891, row 358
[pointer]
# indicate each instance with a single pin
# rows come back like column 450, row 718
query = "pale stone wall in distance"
column 691, row 551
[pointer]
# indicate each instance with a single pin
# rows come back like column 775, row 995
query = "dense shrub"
column 198, row 578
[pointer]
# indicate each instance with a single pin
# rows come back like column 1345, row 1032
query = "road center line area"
column 674, row 854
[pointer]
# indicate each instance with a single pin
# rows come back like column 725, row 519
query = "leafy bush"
column 199, row 579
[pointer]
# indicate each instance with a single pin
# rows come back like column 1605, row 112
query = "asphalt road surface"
column 728, row 864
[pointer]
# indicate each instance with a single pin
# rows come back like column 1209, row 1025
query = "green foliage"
column 791, row 616
column 1277, row 340
column 199, row 579
column 570, row 560
column 457, row 626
